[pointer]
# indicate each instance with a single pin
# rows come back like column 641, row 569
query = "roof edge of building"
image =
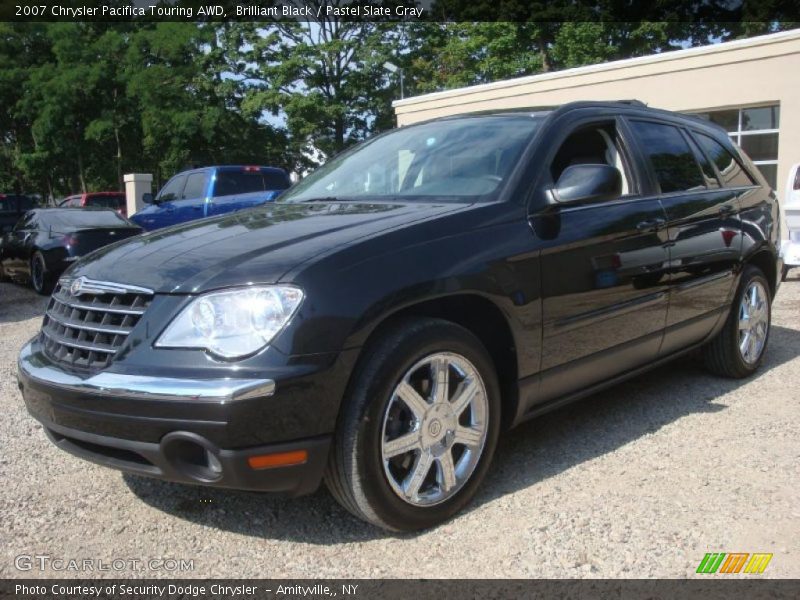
column 600, row 67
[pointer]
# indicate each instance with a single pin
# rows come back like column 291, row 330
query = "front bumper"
column 196, row 431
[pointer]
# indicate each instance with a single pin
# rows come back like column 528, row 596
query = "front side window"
column 173, row 189
column 670, row 156
column 458, row 160
column 597, row 144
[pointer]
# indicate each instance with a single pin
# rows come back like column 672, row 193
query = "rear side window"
column 732, row 173
column 115, row 201
column 85, row 218
column 670, row 156
column 195, row 186
column 238, row 182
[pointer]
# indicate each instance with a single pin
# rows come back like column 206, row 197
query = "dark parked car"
column 211, row 191
column 386, row 319
column 112, row 200
column 46, row 241
column 12, row 207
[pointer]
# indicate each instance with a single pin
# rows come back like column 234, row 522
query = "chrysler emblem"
column 77, row 286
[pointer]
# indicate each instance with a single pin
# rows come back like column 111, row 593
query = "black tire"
column 784, row 273
column 41, row 278
column 355, row 473
column 722, row 354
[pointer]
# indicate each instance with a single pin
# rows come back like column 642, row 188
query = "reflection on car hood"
column 251, row 246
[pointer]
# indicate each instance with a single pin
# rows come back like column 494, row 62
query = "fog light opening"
column 193, row 459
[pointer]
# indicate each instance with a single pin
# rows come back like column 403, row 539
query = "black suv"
column 384, row 321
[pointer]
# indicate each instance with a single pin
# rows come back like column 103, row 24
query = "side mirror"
column 588, row 183
column 147, row 198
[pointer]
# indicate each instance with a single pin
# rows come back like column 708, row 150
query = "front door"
column 604, row 278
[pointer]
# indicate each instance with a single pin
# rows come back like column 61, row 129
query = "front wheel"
column 418, row 427
column 738, row 349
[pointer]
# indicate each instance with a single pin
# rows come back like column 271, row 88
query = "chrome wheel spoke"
column 464, row 396
column 446, row 475
column 468, row 436
column 440, row 374
column 415, row 403
column 418, row 474
column 401, row 445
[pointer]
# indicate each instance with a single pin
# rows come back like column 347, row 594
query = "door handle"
column 650, row 224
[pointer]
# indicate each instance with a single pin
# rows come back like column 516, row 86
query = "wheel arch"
column 765, row 260
column 483, row 318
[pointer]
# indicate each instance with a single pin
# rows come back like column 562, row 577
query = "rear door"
column 704, row 230
column 603, row 270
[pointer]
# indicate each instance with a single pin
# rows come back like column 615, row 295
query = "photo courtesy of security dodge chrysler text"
column 390, row 316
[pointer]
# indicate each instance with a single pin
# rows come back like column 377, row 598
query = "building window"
column 755, row 130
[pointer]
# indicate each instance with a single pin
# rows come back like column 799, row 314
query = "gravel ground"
column 639, row 481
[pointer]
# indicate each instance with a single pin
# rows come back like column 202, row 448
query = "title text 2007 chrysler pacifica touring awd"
column 381, row 324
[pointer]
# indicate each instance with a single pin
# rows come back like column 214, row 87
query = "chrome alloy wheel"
column 37, row 272
column 753, row 322
column 434, row 429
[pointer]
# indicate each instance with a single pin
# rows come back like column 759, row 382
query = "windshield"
column 462, row 160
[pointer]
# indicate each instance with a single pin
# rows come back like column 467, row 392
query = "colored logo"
column 736, row 562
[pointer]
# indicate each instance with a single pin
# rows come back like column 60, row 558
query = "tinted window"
column 195, row 186
column 173, row 189
column 461, row 159
column 670, row 155
column 84, row 218
column 26, row 203
column 106, row 201
column 238, row 182
column 8, row 204
column 25, row 222
column 732, row 173
column 275, row 181
column 708, row 171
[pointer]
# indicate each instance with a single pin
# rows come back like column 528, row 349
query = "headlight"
column 233, row 323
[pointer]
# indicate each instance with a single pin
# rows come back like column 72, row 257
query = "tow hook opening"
column 192, row 456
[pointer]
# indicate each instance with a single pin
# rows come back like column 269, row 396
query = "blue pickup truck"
column 210, row 191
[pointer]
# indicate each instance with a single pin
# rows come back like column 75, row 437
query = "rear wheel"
column 41, row 279
column 738, row 350
column 418, row 427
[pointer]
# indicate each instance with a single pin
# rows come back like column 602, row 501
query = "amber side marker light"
column 279, row 459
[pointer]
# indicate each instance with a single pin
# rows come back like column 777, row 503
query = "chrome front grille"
column 88, row 321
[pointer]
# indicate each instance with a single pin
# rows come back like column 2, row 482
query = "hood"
column 251, row 246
